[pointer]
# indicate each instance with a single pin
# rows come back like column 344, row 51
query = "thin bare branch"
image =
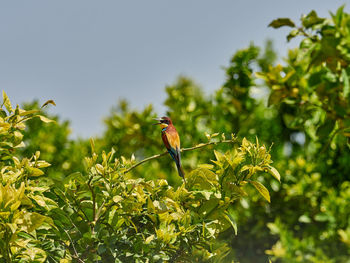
column 76, row 255
column 201, row 145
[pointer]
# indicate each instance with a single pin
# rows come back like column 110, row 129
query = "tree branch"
column 201, row 145
column 76, row 255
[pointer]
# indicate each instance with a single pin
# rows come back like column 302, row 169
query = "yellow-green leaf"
column 44, row 119
column 25, row 113
column 232, row 221
column 149, row 239
column 219, row 156
column 15, row 205
column 206, row 166
column 273, row 171
column 20, row 145
column 42, row 164
column 223, row 136
column 36, row 220
column 150, row 206
column 18, row 136
column 35, row 172
column 117, row 198
column 99, row 168
column 4, row 215
column 6, row 101
column 262, row 190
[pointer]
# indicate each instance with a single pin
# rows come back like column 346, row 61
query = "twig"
column 93, row 203
column 201, row 145
column 75, row 251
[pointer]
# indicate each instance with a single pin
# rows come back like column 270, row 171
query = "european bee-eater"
column 171, row 141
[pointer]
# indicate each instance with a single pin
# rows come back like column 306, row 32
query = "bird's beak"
column 157, row 119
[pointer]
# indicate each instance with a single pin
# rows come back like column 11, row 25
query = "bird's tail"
column 180, row 170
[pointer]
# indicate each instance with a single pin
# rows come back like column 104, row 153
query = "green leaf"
column 215, row 134
column 219, row 156
column 326, row 128
column 279, row 22
column 321, row 217
column 311, row 19
column 206, row 166
column 25, row 113
column 276, row 97
column 6, row 101
column 92, row 144
column 18, row 136
column 262, row 190
column 346, row 89
column 2, row 113
column 36, row 220
column 304, row 219
column 4, row 215
column 35, row 172
column 150, row 206
column 20, row 145
column 208, row 206
column 43, row 164
column 117, row 198
column 44, row 201
column 44, row 119
column 232, row 221
column 201, row 179
column 273, row 171
column 205, row 194
column 149, row 239
column 337, row 18
column 292, row 34
column 15, row 205
column 316, row 78
column 76, row 177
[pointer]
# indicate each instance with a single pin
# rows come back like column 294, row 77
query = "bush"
column 103, row 214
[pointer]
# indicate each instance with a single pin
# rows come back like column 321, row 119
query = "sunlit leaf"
column 117, row 198
column 232, row 222
column 6, row 101
column 262, row 190
column 149, row 239
column 44, row 119
column 35, row 171
column 346, row 89
column 273, row 171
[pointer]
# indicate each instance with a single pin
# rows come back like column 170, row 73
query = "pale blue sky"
column 88, row 54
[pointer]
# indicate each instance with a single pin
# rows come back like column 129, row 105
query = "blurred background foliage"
column 301, row 106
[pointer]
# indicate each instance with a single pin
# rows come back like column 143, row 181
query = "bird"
column 171, row 141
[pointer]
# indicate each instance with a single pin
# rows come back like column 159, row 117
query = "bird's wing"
column 172, row 143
